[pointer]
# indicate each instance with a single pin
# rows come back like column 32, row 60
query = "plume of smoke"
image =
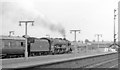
column 26, row 11
column 51, row 25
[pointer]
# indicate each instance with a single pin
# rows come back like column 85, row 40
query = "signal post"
column 119, row 23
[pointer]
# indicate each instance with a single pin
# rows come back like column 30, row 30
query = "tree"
column 86, row 41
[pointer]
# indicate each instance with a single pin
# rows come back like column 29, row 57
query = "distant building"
column 3, row 37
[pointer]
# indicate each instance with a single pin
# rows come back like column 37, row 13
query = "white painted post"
column 119, row 22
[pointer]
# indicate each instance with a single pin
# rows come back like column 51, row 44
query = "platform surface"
column 40, row 60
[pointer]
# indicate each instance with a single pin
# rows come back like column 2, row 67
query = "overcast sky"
column 58, row 17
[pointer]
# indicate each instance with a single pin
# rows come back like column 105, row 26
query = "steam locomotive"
column 15, row 46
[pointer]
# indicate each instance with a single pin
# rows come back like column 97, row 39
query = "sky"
column 57, row 17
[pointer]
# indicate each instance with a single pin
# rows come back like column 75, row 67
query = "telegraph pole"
column 98, row 35
column 26, row 36
column 118, row 34
column 75, row 31
column 114, row 28
column 11, row 32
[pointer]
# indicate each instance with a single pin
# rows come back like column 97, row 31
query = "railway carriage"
column 10, row 45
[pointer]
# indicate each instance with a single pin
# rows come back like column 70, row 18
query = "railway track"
column 107, row 61
column 113, row 63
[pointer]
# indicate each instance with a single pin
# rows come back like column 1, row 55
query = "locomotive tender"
column 14, row 46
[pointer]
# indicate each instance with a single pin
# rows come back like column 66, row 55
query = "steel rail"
column 98, row 64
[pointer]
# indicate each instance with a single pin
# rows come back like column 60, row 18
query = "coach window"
column 21, row 43
column 9, row 44
column 1, row 44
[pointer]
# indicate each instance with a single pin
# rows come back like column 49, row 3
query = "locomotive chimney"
column 64, row 37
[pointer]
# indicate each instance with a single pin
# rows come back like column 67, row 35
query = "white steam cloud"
column 12, row 11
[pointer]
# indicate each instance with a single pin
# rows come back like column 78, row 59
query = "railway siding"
column 59, row 61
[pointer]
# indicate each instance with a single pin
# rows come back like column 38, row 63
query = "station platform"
column 41, row 60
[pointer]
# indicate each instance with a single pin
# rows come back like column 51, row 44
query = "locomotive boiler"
column 60, row 45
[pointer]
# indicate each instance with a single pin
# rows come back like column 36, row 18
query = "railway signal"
column 115, row 45
column 75, row 31
column 26, row 36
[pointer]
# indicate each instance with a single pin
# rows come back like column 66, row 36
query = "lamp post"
column 98, row 35
column 11, row 32
column 75, row 31
column 26, row 22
